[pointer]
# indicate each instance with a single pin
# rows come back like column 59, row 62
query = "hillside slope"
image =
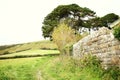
column 27, row 46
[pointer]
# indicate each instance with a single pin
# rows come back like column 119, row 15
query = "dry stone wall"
column 102, row 44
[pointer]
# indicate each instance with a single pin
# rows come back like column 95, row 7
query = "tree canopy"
column 105, row 21
column 73, row 14
column 76, row 17
column 109, row 18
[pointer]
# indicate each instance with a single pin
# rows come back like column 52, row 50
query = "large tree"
column 72, row 14
column 76, row 17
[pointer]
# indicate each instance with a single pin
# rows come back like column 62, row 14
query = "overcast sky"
column 21, row 20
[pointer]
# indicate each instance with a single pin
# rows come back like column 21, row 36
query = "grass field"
column 47, row 68
column 66, row 69
column 51, row 68
column 25, row 68
column 22, row 69
column 30, row 53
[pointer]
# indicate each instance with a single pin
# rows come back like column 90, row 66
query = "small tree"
column 63, row 35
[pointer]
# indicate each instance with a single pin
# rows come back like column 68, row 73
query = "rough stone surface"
column 102, row 44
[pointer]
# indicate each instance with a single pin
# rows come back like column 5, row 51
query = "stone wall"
column 102, row 44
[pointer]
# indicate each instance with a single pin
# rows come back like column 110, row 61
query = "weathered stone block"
column 100, row 43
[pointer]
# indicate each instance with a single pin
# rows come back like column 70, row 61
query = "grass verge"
column 66, row 68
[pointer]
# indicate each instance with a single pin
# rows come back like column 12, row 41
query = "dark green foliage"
column 74, row 16
column 94, row 64
column 112, row 73
column 105, row 21
column 109, row 18
column 116, row 32
column 95, row 22
column 72, row 13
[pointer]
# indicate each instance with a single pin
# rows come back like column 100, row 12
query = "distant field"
column 46, row 45
column 29, row 53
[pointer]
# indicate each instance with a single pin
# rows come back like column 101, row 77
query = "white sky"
column 21, row 20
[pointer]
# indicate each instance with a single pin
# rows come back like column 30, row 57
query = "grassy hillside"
column 27, row 46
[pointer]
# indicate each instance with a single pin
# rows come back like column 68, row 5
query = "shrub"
column 63, row 35
column 112, row 73
column 90, row 61
column 116, row 32
column 94, row 65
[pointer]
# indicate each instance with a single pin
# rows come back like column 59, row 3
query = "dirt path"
column 39, row 77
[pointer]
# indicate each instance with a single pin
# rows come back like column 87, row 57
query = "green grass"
column 52, row 68
column 22, row 69
column 31, row 53
column 67, row 69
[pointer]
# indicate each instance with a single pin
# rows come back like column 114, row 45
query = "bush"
column 94, row 65
column 112, row 73
column 116, row 32
column 63, row 35
column 90, row 61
